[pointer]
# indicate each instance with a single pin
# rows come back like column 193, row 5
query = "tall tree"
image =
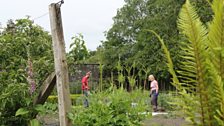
column 130, row 39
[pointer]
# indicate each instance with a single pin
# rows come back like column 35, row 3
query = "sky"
column 91, row 18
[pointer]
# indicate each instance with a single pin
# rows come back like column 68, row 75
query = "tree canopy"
column 129, row 37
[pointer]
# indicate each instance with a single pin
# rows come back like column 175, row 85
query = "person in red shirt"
column 85, row 88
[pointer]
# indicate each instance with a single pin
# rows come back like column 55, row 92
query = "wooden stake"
column 61, row 69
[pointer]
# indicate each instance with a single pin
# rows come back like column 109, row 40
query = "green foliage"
column 34, row 122
column 110, row 109
column 44, row 112
column 167, row 101
column 129, row 39
column 19, row 40
column 200, row 80
column 143, row 73
column 52, row 99
column 48, row 108
column 78, row 51
column 29, row 112
column 121, row 77
column 131, row 74
column 21, row 111
column 101, row 77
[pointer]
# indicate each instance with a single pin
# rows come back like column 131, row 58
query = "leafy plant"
column 109, row 108
column 144, row 71
column 121, row 77
column 29, row 112
column 78, row 51
column 53, row 99
column 167, row 101
column 34, row 122
column 131, row 76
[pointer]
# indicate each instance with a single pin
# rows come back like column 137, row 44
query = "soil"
column 165, row 120
column 49, row 120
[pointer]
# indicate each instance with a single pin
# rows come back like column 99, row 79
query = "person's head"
column 151, row 78
column 88, row 73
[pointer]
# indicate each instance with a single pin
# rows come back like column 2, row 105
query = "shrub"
column 54, row 98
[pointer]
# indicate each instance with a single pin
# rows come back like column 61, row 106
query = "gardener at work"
column 85, row 88
column 154, row 92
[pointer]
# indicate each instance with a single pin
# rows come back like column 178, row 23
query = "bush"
column 12, row 98
column 54, row 98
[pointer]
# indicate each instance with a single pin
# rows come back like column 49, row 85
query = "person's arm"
column 86, row 84
column 150, row 93
column 83, row 83
column 157, row 88
column 150, row 90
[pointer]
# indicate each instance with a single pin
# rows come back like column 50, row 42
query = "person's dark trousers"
column 86, row 102
column 154, row 100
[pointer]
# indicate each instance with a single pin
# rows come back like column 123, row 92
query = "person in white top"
column 154, row 92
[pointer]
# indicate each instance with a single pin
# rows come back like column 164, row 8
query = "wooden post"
column 61, row 69
column 46, row 89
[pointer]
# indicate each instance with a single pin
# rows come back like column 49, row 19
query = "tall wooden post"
column 61, row 69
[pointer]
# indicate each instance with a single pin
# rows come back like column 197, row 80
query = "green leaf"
column 34, row 122
column 22, row 111
column 39, row 108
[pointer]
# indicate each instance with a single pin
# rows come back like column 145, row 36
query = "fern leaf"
column 193, row 67
column 216, row 36
column 217, row 92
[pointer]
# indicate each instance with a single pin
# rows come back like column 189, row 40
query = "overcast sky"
column 89, row 17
